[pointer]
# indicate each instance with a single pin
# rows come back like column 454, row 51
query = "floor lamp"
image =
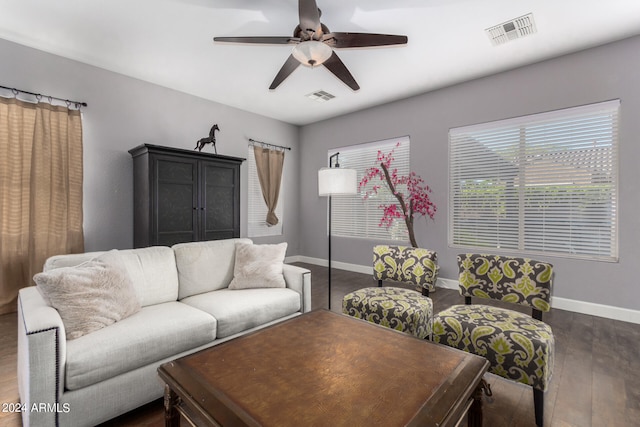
column 333, row 181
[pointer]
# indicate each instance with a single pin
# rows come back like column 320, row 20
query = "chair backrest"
column 405, row 264
column 516, row 280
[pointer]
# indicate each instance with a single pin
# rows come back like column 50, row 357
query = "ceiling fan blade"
column 289, row 67
column 258, row 39
column 337, row 67
column 346, row 40
column 309, row 16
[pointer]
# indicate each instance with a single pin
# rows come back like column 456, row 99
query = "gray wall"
column 594, row 75
column 124, row 112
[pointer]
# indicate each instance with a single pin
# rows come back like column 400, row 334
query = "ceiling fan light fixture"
column 312, row 53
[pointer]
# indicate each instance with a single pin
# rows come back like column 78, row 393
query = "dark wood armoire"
column 184, row 196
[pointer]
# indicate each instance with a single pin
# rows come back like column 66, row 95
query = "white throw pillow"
column 91, row 295
column 258, row 266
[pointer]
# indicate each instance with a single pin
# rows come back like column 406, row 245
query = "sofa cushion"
column 259, row 266
column 239, row 310
column 152, row 334
column 152, row 271
column 205, row 266
column 89, row 296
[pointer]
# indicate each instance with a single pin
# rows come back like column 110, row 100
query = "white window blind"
column 545, row 183
column 257, row 208
column 355, row 216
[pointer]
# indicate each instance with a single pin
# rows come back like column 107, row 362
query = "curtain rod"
column 39, row 95
column 268, row 145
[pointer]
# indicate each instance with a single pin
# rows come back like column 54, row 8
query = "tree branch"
column 408, row 214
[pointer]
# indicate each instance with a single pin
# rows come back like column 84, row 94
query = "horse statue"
column 211, row 139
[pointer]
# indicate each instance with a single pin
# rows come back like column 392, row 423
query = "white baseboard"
column 593, row 309
column 294, row 258
column 364, row 269
column 447, row 283
column 583, row 307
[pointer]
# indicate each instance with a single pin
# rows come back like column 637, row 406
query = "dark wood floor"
column 596, row 381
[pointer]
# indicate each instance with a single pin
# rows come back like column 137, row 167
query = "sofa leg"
column 379, row 283
column 538, row 404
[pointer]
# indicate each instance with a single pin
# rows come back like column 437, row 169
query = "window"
column 257, row 208
column 355, row 216
column 545, row 183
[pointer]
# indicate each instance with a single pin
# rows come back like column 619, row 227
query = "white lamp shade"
column 333, row 181
column 312, row 53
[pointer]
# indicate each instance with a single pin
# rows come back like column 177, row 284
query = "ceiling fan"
column 314, row 45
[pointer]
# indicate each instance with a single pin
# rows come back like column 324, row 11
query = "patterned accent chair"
column 518, row 347
column 407, row 265
column 401, row 309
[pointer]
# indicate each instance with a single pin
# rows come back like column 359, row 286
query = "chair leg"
column 538, row 405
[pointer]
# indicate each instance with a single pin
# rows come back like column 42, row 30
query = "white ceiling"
column 170, row 43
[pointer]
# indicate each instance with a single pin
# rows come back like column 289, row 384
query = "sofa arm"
column 41, row 357
column 299, row 279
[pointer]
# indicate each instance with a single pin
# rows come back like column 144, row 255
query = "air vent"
column 511, row 30
column 320, row 96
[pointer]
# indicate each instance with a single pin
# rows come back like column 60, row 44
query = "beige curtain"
column 40, row 190
column 269, row 164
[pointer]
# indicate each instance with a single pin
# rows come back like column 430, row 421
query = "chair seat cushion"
column 517, row 346
column 404, row 310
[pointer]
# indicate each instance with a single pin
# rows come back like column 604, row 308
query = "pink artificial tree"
column 415, row 202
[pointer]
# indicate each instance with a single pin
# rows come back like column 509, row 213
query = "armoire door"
column 176, row 210
column 220, row 201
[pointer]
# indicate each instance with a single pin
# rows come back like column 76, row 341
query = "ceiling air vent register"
column 511, row 30
column 320, row 96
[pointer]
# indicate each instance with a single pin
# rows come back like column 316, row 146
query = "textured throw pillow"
column 258, row 266
column 91, row 295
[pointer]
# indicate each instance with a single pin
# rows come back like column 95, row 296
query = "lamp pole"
column 331, row 181
column 329, row 272
column 329, row 281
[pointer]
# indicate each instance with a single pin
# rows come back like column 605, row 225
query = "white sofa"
column 186, row 307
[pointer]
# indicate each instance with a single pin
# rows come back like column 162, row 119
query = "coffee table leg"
column 474, row 416
column 171, row 414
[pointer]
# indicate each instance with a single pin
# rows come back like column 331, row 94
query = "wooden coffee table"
column 324, row 369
